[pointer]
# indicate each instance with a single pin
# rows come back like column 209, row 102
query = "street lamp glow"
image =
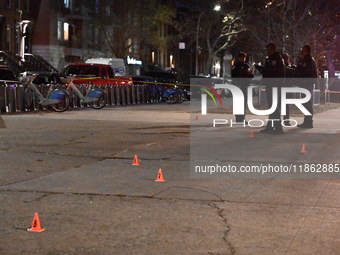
column 217, row 7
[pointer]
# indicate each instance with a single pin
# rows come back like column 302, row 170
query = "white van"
column 117, row 64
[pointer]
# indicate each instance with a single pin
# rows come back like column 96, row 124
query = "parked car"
column 117, row 64
column 162, row 77
column 42, row 77
column 98, row 74
column 6, row 74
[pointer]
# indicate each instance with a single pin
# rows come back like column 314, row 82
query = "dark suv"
column 6, row 74
column 97, row 74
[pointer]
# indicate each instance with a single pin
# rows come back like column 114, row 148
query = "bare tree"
column 124, row 29
column 162, row 17
column 139, row 22
column 221, row 34
column 292, row 23
column 214, row 32
column 232, row 26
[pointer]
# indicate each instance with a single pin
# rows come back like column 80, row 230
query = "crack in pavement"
column 101, row 158
column 306, row 217
column 211, row 203
column 139, row 146
column 228, row 227
column 104, row 195
column 190, row 188
column 38, row 199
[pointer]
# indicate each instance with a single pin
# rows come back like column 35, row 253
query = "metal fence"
column 12, row 96
column 319, row 96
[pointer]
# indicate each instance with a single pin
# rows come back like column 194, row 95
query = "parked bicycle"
column 95, row 97
column 57, row 98
column 171, row 95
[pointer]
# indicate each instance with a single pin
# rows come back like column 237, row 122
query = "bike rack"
column 118, row 101
column 128, row 94
column 12, row 95
column 133, row 90
column 143, row 94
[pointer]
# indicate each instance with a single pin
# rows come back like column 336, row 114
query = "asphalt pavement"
column 75, row 169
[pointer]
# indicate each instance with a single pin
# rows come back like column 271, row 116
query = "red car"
column 97, row 74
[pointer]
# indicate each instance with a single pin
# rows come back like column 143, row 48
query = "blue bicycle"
column 169, row 94
column 57, row 98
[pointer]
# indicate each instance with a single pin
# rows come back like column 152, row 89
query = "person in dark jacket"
column 289, row 68
column 273, row 68
column 241, row 74
column 306, row 68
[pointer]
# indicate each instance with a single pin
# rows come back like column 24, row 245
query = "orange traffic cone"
column 251, row 133
column 160, row 177
column 135, row 161
column 303, row 149
column 36, row 224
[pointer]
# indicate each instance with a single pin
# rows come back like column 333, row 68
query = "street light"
column 23, row 26
column 284, row 37
column 217, row 8
column 22, row 35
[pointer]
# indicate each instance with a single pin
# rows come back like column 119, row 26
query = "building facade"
column 14, row 18
column 69, row 31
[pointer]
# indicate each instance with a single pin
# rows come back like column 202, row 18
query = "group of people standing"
column 278, row 66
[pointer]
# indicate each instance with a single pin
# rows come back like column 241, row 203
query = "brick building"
column 12, row 15
column 68, row 31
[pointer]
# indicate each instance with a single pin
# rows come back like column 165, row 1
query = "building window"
column 97, row 36
column 93, row 35
column 8, row 37
column 135, row 47
column 67, row 3
column 66, row 31
column 8, row 4
column 60, row 30
column 129, row 44
column 97, row 6
column 108, row 10
column 27, row 7
column 18, row 4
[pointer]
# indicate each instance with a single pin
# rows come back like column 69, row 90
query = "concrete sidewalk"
column 75, row 170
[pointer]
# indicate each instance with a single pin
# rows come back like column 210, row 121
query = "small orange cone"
column 303, row 149
column 160, row 177
column 135, row 161
column 251, row 133
column 36, row 224
column 196, row 117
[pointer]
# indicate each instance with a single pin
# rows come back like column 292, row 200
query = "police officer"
column 273, row 68
column 241, row 74
column 289, row 68
column 306, row 68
